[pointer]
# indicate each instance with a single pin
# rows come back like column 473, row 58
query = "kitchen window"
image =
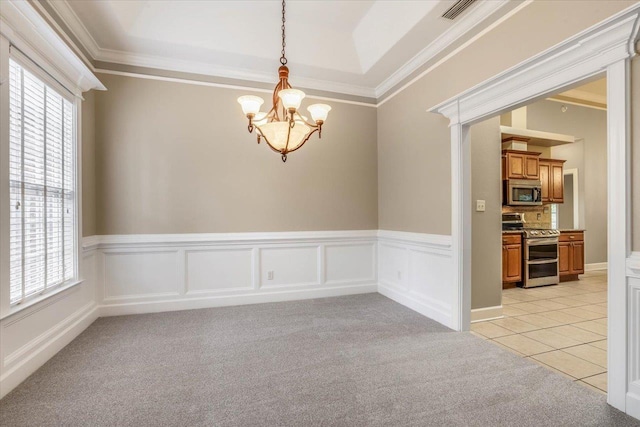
column 42, row 186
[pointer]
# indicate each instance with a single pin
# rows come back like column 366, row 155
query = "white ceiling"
column 361, row 47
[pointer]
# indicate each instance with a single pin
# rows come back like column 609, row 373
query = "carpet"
column 349, row 361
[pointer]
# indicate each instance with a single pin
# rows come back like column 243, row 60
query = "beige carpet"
column 349, row 361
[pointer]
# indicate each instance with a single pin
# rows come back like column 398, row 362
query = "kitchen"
column 546, row 182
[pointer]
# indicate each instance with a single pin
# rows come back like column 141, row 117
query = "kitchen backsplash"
column 534, row 216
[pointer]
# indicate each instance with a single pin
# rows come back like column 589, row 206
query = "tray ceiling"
column 361, row 47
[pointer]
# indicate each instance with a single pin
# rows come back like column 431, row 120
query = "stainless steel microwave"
column 522, row 192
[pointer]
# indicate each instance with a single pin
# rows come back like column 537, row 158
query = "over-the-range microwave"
column 522, row 192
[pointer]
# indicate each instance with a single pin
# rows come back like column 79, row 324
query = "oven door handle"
column 543, row 261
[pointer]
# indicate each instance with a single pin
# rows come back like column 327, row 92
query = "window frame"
column 38, row 68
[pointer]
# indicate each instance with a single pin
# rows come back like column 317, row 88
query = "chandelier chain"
column 283, row 58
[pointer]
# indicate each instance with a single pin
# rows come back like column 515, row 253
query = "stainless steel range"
column 540, row 257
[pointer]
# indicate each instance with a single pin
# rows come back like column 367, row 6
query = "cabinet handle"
column 572, row 237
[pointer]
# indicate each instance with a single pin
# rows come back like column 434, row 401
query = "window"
column 42, row 186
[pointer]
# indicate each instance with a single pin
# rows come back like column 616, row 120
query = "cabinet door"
column 513, row 255
column 564, row 257
column 577, row 257
column 505, row 266
column 531, row 169
column 545, row 175
column 516, row 165
column 557, row 180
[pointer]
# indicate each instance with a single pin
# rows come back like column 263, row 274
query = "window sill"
column 40, row 298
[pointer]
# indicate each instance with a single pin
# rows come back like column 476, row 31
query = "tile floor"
column 562, row 327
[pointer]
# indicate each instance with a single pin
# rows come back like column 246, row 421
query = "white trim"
column 459, row 49
column 38, row 351
column 463, row 25
column 224, row 86
column 25, row 28
column 487, row 313
column 414, row 270
column 596, row 266
column 173, row 240
column 606, row 46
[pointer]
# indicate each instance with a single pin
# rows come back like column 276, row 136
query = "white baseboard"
column 429, row 308
column 487, row 313
column 633, row 405
column 595, row 266
column 232, row 300
column 50, row 343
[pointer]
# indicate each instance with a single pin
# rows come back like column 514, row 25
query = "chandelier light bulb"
column 250, row 104
column 319, row 112
column 291, row 98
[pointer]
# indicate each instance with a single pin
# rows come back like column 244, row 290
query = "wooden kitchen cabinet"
column 520, row 165
column 552, row 179
column 570, row 255
column 511, row 259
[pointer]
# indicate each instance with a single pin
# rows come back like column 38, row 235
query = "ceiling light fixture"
column 283, row 127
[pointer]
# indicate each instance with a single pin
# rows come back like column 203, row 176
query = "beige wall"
column 88, row 165
column 486, row 265
column 177, row 158
column 413, row 145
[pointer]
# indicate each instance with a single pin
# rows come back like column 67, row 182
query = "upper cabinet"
column 552, row 179
column 520, row 165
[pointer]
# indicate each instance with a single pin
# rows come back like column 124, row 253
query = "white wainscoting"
column 414, row 269
column 152, row 273
column 35, row 334
column 633, row 289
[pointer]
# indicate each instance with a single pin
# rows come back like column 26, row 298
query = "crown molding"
column 30, row 33
column 470, row 20
column 204, row 68
column 466, row 23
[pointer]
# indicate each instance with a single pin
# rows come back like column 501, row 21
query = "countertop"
column 512, row 231
column 570, row 230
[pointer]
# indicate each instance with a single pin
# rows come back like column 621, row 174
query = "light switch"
column 480, row 205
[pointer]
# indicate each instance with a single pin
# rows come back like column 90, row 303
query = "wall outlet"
column 481, row 206
column 269, row 275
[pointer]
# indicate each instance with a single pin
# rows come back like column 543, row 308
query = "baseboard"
column 595, row 266
column 431, row 309
column 633, row 405
column 191, row 303
column 57, row 338
column 487, row 313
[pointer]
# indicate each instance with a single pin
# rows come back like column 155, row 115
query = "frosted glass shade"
column 291, row 98
column 250, row 104
column 260, row 118
column 319, row 112
column 276, row 134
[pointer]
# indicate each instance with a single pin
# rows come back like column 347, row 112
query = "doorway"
column 587, row 55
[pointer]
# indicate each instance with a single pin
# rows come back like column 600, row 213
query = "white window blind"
column 42, row 186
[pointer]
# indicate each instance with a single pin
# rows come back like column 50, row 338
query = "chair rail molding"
column 606, row 47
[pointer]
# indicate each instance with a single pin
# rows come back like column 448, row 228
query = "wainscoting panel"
column 633, row 292
column 287, row 266
column 143, row 274
column 140, row 274
column 350, row 263
column 415, row 270
column 219, row 270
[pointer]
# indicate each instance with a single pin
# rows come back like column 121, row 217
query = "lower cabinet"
column 571, row 255
column 511, row 259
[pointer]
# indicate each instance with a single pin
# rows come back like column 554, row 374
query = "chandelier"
column 283, row 128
